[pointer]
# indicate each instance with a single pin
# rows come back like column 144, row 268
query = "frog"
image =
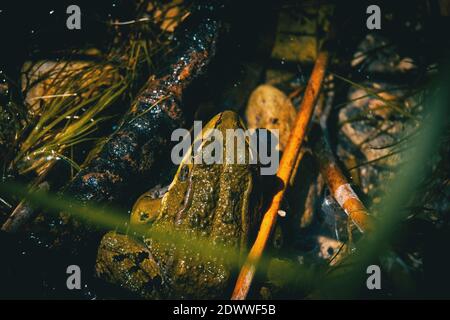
column 218, row 203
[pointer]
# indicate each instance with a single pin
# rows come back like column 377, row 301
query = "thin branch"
column 284, row 173
column 340, row 187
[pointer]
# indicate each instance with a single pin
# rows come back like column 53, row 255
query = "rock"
column 270, row 108
column 367, row 121
column 297, row 38
column 373, row 129
column 370, row 126
column 444, row 8
column 368, row 58
column 295, row 48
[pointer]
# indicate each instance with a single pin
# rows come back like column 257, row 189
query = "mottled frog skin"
column 216, row 202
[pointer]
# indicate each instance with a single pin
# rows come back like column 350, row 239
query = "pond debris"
column 282, row 213
column 333, row 213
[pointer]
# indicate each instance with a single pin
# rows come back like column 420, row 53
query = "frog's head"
column 212, row 193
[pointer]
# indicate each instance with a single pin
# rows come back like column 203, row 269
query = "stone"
column 269, row 108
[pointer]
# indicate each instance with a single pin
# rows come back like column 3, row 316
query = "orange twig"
column 340, row 187
column 284, row 173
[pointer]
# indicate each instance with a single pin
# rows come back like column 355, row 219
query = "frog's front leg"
column 121, row 259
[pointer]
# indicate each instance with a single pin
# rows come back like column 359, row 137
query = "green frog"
column 215, row 203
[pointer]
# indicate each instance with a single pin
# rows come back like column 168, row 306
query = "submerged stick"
column 142, row 142
column 24, row 211
column 340, row 187
column 284, row 173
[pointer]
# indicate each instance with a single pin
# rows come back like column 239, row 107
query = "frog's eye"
column 184, row 172
column 143, row 216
